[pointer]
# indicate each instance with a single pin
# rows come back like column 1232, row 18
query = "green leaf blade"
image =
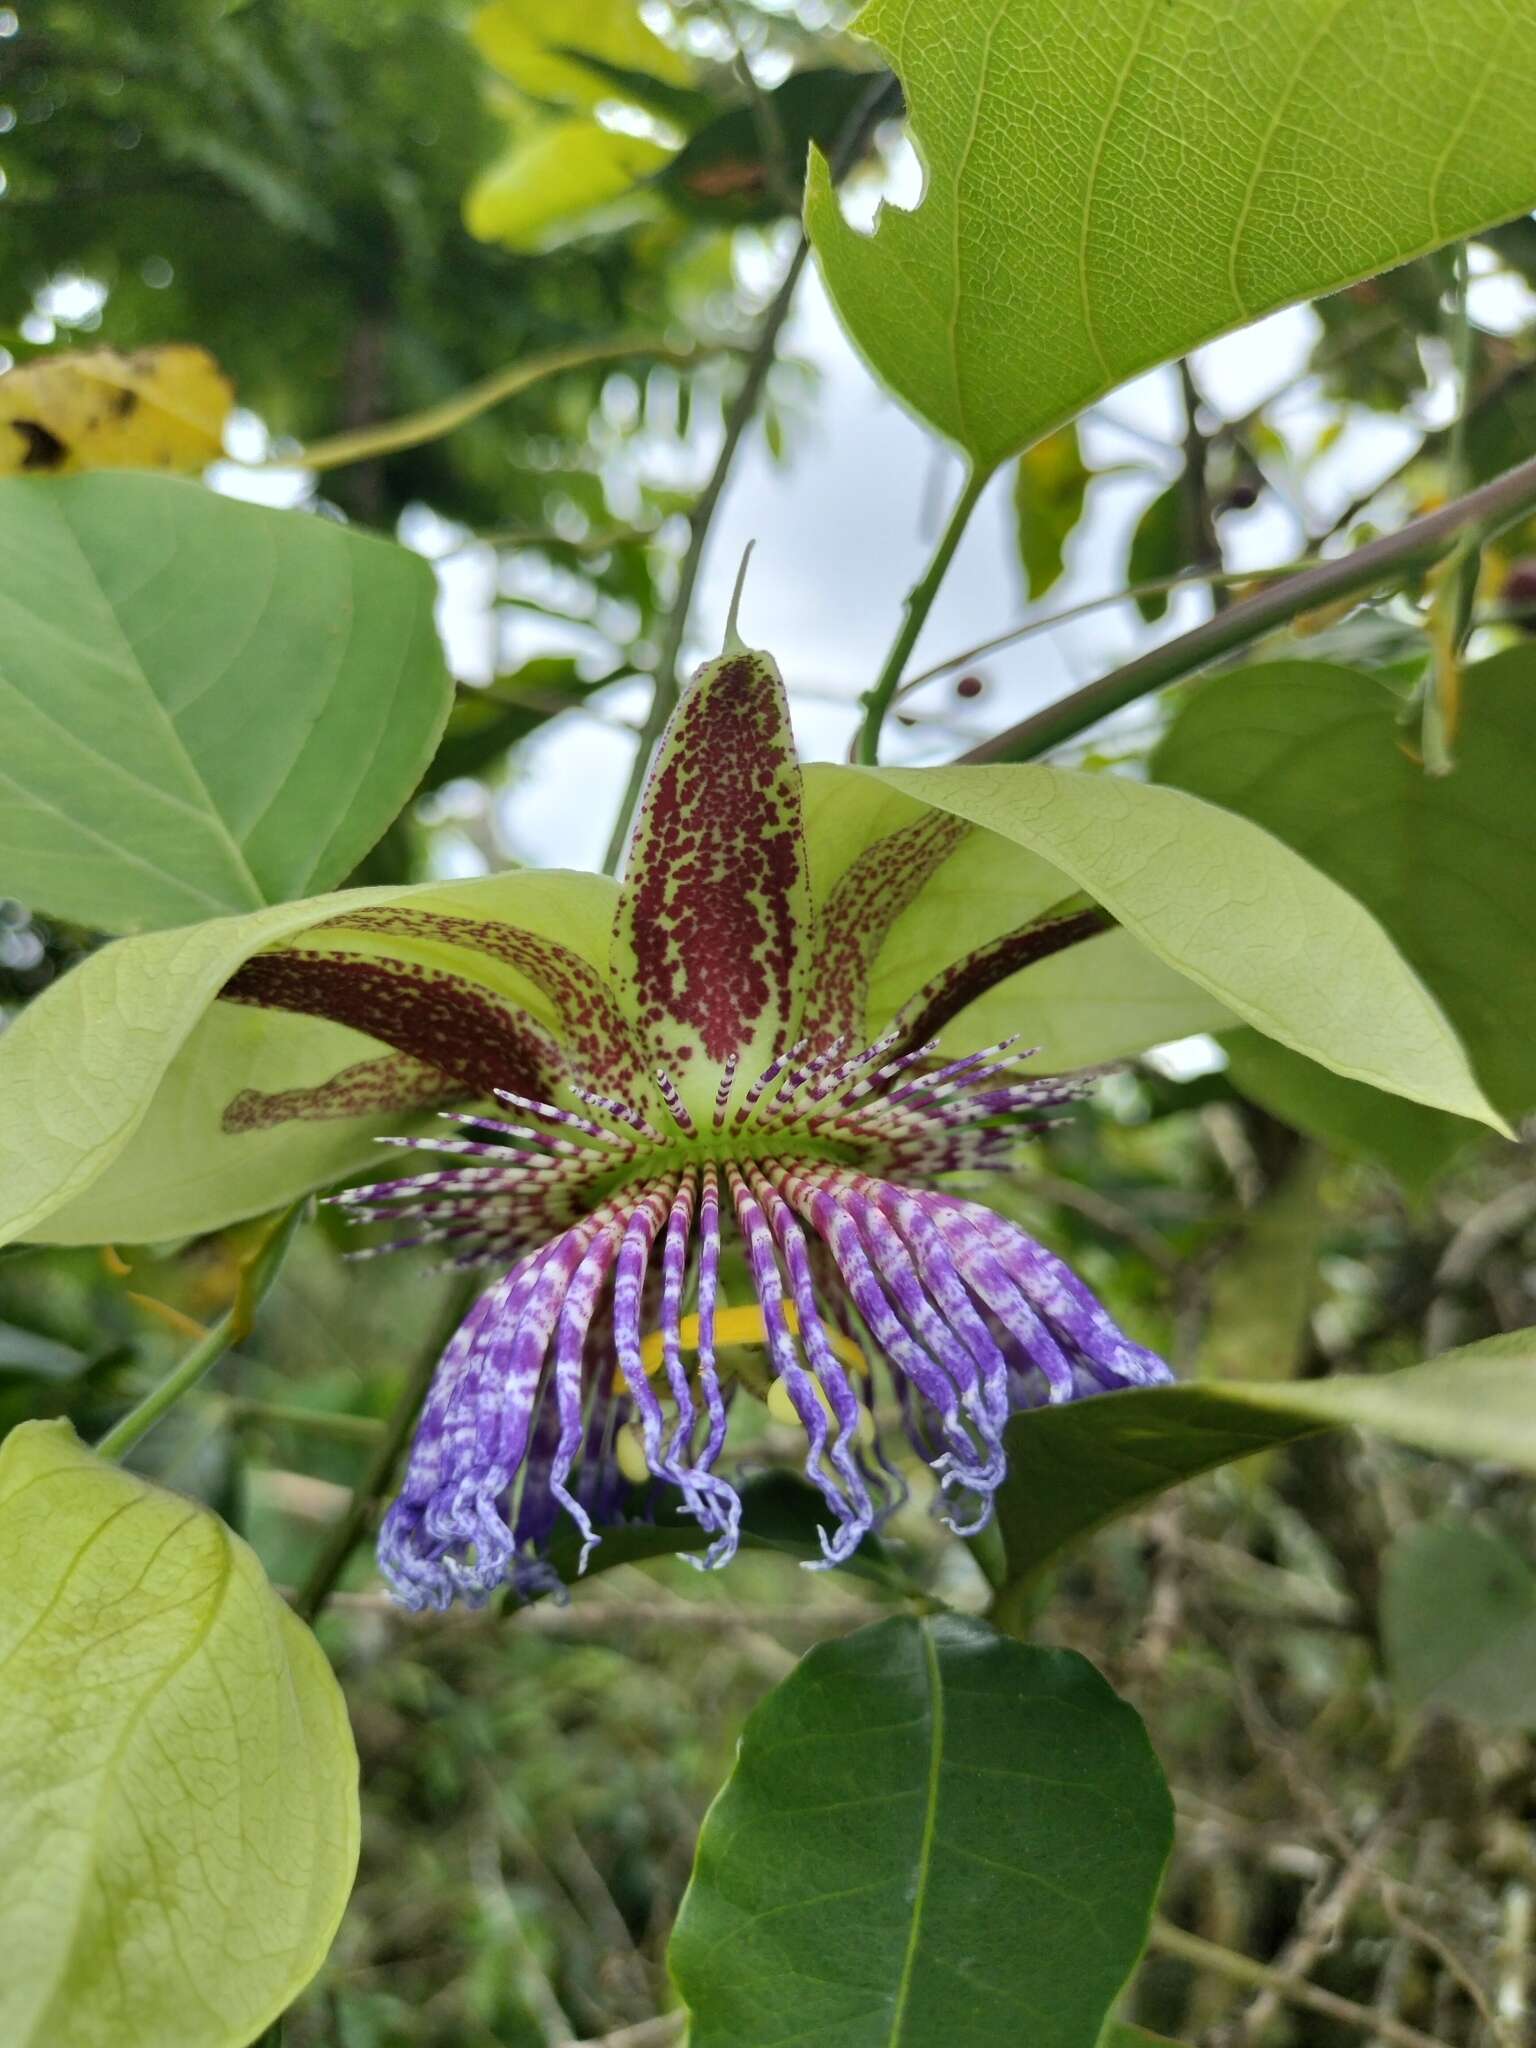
column 931, row 1833
column 1446, row 864
column 178, row 1783
column 1108, row 186
column 1231, row 908
column 209, row 706
column 1073, row 1469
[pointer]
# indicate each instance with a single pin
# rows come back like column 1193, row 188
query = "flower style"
column 712, row 1176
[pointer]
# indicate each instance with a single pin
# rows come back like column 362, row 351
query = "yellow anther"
column 743, row 1326
column 782, row 1409
column 629, row 1449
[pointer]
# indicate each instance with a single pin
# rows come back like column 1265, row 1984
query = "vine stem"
column 1381, row 561
column 737, row 419
column 878, row 700
column 1200, row 1954
column 363, row 444
column 1047, row 622
column 256, row 1276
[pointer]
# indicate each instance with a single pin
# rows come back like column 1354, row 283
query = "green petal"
column 855, row 920
column 119, row 1081
column 1220, row 901
column 712, row 934
column 1100, row 1000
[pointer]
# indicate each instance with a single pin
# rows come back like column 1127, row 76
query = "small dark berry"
column 969, row 686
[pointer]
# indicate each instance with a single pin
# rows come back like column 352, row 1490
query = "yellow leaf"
column 554, row 175
column 159, row 408
column 526, row 41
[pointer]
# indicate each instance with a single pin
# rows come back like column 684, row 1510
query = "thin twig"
column 1200, row 1954
column 256, row 1276
column 1379, row 562
column 388, row 438
column 1320, row 1926
column 1046, row 622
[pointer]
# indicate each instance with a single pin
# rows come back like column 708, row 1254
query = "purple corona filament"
column 609, row 1321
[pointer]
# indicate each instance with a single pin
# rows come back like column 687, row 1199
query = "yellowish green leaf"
column 117, row 1080
column 538, row 45
column 178, row 1783
column 1048, row 495
column 554, row 175
column 1228, row 907
column 1317, row 755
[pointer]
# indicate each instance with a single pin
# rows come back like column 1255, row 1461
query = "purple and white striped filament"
column 593, row 1360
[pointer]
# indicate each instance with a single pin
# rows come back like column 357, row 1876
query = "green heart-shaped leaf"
column 208, row 706
column 1458, row 1623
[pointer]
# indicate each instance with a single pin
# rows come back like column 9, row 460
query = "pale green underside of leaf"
column 1109, row 184
column 178, row 1783
column 932, row 1834
column 116, row 1079
column 1233, row 910
column 208, row 706
column 1314, row 753
column 1072, row 1469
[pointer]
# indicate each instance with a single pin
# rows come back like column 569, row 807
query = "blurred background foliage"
column 361, row 207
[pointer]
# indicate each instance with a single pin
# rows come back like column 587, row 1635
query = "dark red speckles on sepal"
column 970, row 977
column 465, row 1031
column 713, row 925
column 384, row 1087
column 597, row 1035
column 856, row 919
